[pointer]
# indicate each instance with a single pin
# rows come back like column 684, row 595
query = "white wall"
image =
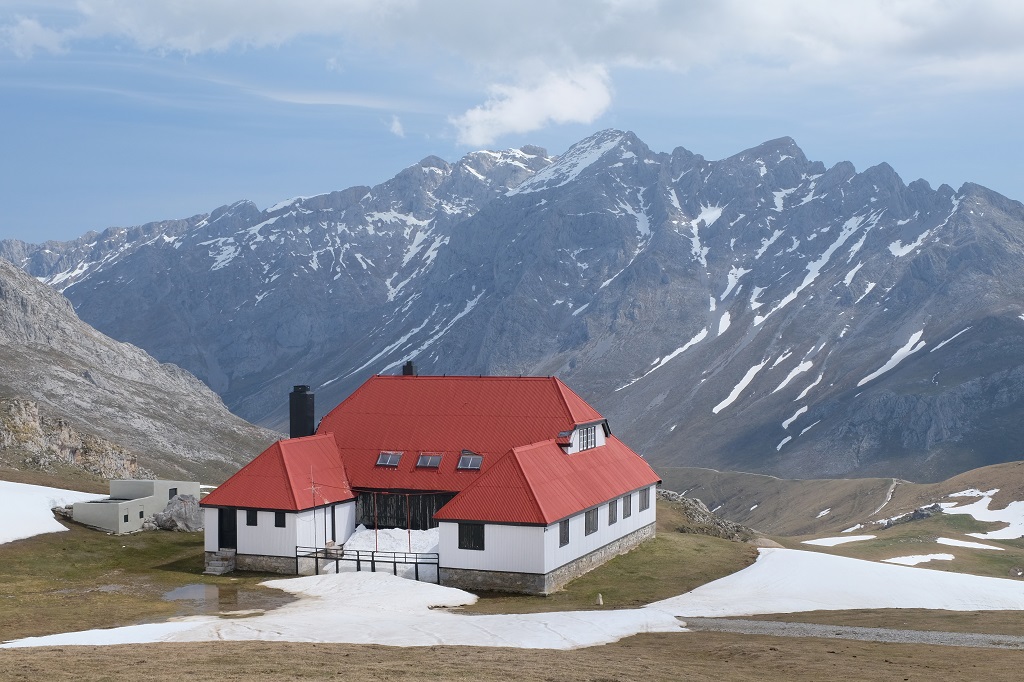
column 264, row 538
column 506, row 548
column 534, row 549
column 581, row 544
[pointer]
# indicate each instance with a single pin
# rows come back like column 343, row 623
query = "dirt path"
column 780, row 629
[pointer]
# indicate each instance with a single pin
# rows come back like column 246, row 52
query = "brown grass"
column 684, row 656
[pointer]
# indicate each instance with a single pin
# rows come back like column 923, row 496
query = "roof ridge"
column 529, row 482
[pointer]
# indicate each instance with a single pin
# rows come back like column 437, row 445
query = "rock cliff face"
column 103, row 404
column 30, row 439
column 758, row 313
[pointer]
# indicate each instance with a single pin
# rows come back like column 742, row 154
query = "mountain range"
column 759, row 313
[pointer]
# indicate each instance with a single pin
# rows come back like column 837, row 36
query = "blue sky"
column 118, row 112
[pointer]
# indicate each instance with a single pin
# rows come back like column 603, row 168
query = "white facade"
column 309, row 528
column 535, row 549
column 130, row 502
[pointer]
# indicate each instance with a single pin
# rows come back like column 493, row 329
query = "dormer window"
column 470, row 460
column 389, row 458
column 588, row 437
column 429, row 460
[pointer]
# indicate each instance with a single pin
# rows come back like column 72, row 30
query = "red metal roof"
column 540, row 484
column 431, row 414
column 281, row 477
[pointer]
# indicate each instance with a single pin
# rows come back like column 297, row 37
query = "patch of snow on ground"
column 832, row 542
column 701, row 335
column 974, row 492
column 803, row 393
column 912, row 346
column 1012, row 515
column 738, row 388
column 735, row 273
column 783, row 442
column 789, row 581
column 915, row 559
column 792, row 419
column 823, row 512
column 798, row 370
column 394, row 540
column 953, row 542
column 724, row 322
column 853, row 528
column 26, row 509
column 948, row 340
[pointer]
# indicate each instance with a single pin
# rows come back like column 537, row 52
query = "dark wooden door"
column 227, row 531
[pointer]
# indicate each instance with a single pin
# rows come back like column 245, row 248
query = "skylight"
column 389, row 458
column 470, row 460
column 429, row 460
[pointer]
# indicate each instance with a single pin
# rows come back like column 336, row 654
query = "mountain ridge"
column 781, row 314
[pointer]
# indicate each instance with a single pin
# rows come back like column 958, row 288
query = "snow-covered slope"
column 26, row 509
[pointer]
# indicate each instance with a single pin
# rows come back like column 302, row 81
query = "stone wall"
column 265, row 564
column 536, row 583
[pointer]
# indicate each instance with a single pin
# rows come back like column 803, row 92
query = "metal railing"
column 367, row 556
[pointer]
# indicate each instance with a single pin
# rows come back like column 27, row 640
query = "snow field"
column 26, row 509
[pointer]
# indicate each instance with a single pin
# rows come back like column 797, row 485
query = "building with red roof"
column 524, row 480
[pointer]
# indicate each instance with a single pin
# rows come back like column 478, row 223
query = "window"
column 126, row 518
column 142, row 515
column 429, row 460
column 588, row 437
column 563, row 533
column 627, row 505
column 471, row 536
column 590, row 525
column 645, row 499
column 171, row 492
column 389, row 458
column 613, row 512
column 278, row 519
column 470, row 460
column 250, row 517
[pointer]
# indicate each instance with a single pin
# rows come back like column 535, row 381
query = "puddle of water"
column 201, row 598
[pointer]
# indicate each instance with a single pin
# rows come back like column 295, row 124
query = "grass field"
column 85, row 579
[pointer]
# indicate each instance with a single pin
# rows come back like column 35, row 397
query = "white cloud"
column 25, row 36
column 396, row 127
column 573, row 97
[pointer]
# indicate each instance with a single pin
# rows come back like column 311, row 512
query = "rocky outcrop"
column 41, row 441
column 77, row 396
column 702, row 521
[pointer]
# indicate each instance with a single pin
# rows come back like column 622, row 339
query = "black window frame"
column 252, row 517
column 645, row 499
column 389, row 458
column 279, row 520
column 142, row 514
column 171, row 492
column 471, row 536
column 627, row 505
column 613, row 511
column 429, row 460
column 590, row 523
column 126, row 518
column 563, row 532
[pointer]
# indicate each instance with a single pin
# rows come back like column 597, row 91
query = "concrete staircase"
column 220, row 562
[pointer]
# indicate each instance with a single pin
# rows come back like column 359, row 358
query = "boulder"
column 182, row 513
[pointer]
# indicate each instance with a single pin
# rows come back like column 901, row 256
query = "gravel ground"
column 779, row 629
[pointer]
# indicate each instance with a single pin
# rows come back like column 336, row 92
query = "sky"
column 119, row 112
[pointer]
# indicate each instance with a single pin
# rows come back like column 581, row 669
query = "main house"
column 523, row 479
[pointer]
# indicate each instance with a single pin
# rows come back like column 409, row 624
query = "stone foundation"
column 265, row 564
column 536, row 583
